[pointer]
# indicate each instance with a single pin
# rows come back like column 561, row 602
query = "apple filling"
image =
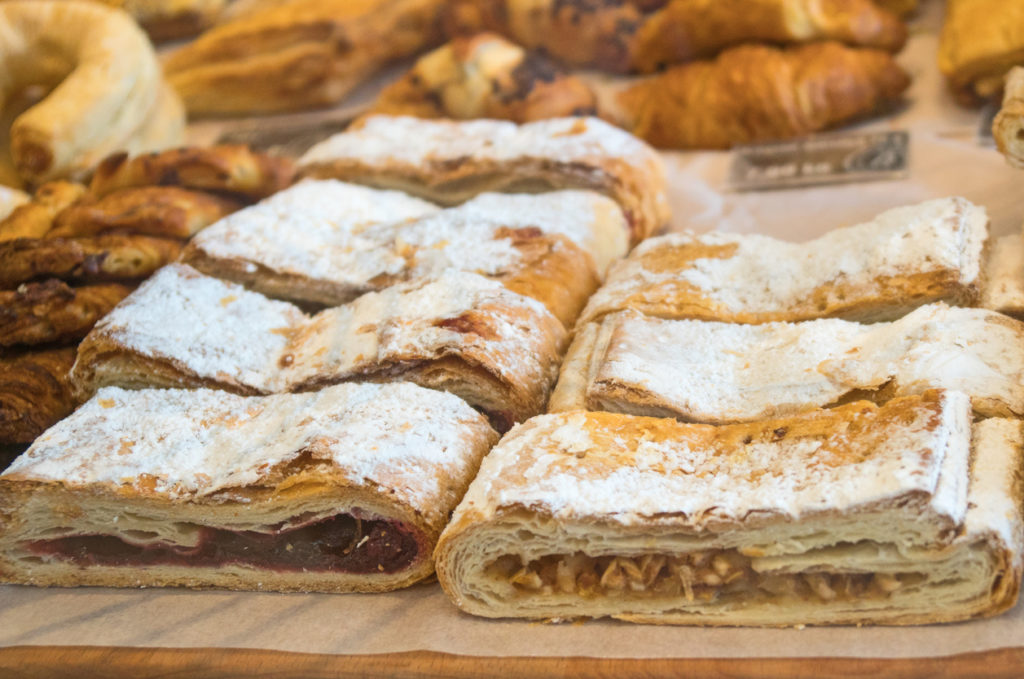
column 697, row 576
column 341, row 543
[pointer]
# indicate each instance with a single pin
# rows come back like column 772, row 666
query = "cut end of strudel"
column 870, row 272
column 899, row 514
column 341, row 490
column 449, row 162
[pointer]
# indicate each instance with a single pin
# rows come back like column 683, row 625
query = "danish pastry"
column 53, row 311
column 92, row 259
column 35, row 392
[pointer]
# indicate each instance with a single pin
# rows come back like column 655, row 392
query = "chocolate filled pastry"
column 754, row 93
column 34, row 218
column 297, row 55
column 630, row 363
column 225, row 168
column 624, row 36
column 341, row 490
column 900, row 514
column 544, row 246
column 53, row 311
column 981, row 41
column 459, row 332
column 486, row 76
column 35, row 392
column 162, row 211
column 449, row 162
column 1008, row 127
column 875, row 271
column 92, row 259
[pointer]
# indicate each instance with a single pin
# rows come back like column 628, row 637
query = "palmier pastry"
column 34, row 218
column 981, row 41
column 92, row 259
column 35, row 392
column 1008, row 128
column 110, row 85
column 621, row 36
column 875, row 271
column 542, row 246
column 341, row 490
column 224, row 169
column 757, row 93
column 449, row 162
column 299, row 54
column 459, row 332
column 164, row 211
column 485, row 76
column 52, row 311
column 734, row 373
column 899, row 514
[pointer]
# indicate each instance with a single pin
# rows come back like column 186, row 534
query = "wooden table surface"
column 83, row 662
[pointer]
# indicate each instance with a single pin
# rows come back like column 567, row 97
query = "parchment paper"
column 946, row 159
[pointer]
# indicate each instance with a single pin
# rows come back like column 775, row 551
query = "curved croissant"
column 757, row 93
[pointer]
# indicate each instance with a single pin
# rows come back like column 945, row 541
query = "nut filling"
column 697, row 576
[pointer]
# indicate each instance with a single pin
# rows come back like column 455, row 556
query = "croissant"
column 624, row 36
column 486, row 76
column 981, row 41
column 1008, row 128
column 756, row 93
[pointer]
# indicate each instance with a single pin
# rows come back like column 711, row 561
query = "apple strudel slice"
column 545, row 247
column 341, row 490
column 705, row 371
column 459, row 332
column 875, row 271
column 449, row 162
column 898, row 514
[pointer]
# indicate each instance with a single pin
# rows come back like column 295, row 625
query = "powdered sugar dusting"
column 663, row 469
column 720, row 372
column 195, row 443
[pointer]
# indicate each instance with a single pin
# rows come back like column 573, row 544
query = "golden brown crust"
column 485, row 76
column 35, row 392
column 163, row 211
column 89, row 259
column 225, row 168
column 981, row 41
column 302, row 54
column 35, row 218
column 1008, row 127
column 757, row 93
column 52, row 311
column 623, row 36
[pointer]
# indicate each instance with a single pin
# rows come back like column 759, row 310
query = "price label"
column 823, row 159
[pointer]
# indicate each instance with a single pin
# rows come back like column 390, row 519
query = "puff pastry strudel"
column 898, row 514
column 459, row 332
column 875, row 271
column 449, row 162
column 542, row 246
column 706, row 371
column 341, row 490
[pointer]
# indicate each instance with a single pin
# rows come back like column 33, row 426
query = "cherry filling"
column 340, row 543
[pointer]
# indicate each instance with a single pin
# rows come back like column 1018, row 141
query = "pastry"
column 34, row 219
column 341, row 490
column 704, row 371
column 109, row 79
column 981, row 41
column 899, row 514
column 898, row 7
column 173, row 19
column 486, row 76
column 52, row 311
column 35, row 392
column 623, row 36
column 459, row 332
column 92, row 259
column 450, row 162
column 758, row 93
column 298, row 55
column 1004, row 277
column 874, row 271
column 542, row 246
column 10, row 199
column 1008, row 128
column 225, row 169
column 163, row 211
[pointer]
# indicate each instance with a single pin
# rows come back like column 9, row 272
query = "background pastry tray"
column 417, row 632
